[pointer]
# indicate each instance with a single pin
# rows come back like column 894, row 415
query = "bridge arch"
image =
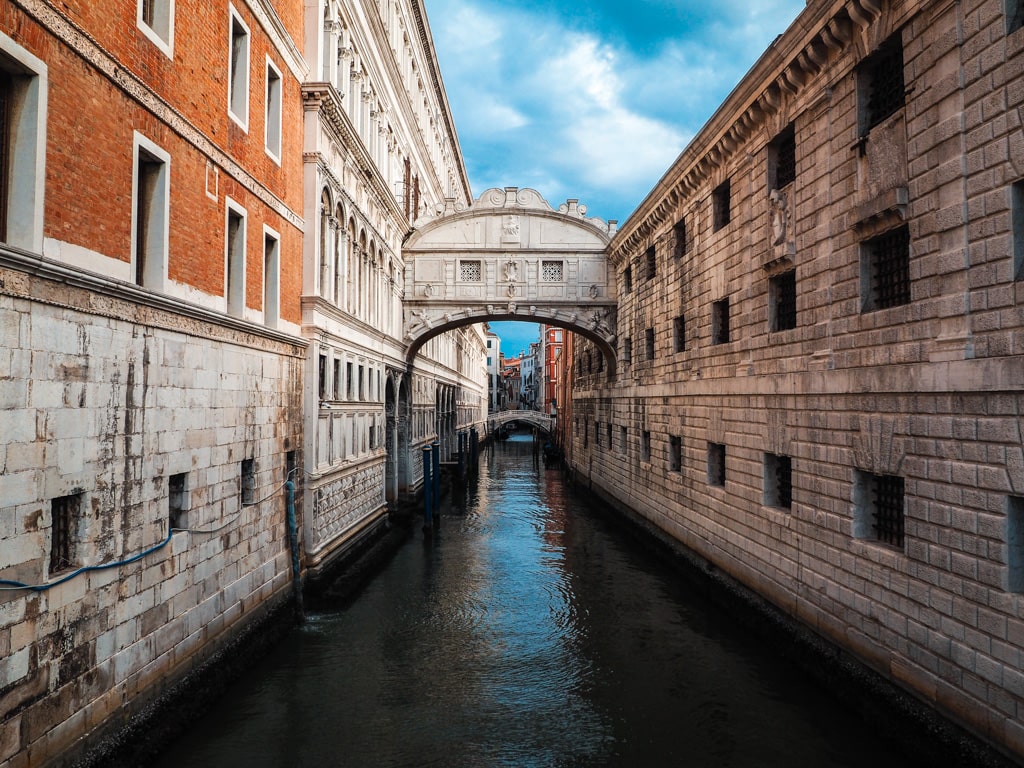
column 511, row 256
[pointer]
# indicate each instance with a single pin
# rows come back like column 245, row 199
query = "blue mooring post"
column 428, row 495
column 435, row 450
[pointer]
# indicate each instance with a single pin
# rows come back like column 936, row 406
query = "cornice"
column 104, row 288
column 785, row 71
column 90, row 51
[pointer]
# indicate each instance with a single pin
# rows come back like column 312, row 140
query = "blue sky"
column 591, row 100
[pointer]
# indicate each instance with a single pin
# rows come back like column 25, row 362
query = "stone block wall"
column 921, row 390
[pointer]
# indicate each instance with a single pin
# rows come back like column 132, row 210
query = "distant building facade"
column 819, row 366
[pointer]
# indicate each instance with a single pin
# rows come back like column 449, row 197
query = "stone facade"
column 819, row 334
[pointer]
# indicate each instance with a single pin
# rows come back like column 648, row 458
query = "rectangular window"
column 716, row 464
column 608, row 433
column 879, row 508
column 23, row 108
column 151, row 210
column 349, row 381
column 720, row 322
column 782, row 159
column 586, row 434
column 1015, row 544
column 881, row 92
column 321, row 372
column 156, row 21
column 597, row 433
column 238, row 70
column 623, row 441
column 272, row 125
column 675, row 453
column 652, row 263
column 65, row 514
column 178, row 501
column 337, row 380
column 271, row 277
column 627, row 350
column 362, row 386
column 235, row 258
column 782, row 301
column 679, row 232
column 679, row 334
column 720, row 205
column 600, row 363
column 1017, row 229
column 885, row 270
column 778, row 481
column 649, row 342
column 645, row 446
column 248, row 481
column 627, row 279
column 551, row 271
column 1014, row 16
column 470, row 271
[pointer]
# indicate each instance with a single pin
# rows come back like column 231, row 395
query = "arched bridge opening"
column 511, row 256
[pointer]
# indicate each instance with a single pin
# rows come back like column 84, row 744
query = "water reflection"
column 526, row 633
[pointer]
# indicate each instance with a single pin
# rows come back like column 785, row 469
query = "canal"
column 528, row 632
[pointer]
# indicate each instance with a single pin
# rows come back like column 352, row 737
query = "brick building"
column 819, row 365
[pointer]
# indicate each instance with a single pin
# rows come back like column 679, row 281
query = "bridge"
column 511, row 256
column 533, row 418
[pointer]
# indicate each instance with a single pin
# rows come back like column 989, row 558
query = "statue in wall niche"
column 511, row 290
column 511, row 271
column 780, row 216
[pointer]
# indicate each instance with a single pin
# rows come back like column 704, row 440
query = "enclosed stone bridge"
column 532, row 418
column 511, row 256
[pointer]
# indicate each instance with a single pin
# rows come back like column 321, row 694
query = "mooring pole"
column 462, row 455
column 293, row 543
column 428, row 493
column 436, row 460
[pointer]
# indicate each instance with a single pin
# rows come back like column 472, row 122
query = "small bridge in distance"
column 533, row 418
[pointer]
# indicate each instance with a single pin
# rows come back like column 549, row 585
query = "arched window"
column 325, row 240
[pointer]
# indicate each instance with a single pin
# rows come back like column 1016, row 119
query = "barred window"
column 645, row 446
column 885, row 270
column 652, row 263
column 782, row 298
column 1014, row 15
column 470, row 271
column 881, row 83
column 248, row 471
column 65, row 512
column 627, row 279
column 649, row 342
column 679, row 334
column 720, row 322
column 551, row 271
column 627, row 350
column 782, row 159
column 623, row 440
column 1017, row 229
column 879, row 510
column 778, row 481
column 721, row 202
column 716, row 464
column 675, row 453
column 679, row 231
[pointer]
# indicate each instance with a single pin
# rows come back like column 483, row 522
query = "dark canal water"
column 530, row 632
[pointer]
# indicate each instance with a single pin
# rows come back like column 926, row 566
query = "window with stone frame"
column 1014, row 15
column 65, row 517
column 627, row 350
column 597, row 434
column 675, row 453
column 337, row 379
column 880, row 84
column 885, row 270
column 178, row 501
column 679, row 234
column 627, row 279
column 155, row 20
column 7, row 96
column 679, row 334
column 716, row 464
column 649, row 342
column 782, row 301
column 623, row 440
column 248, row 481
column 721, row 205
column 879, row 508
column 151, row 208
column 238, row 70
column 586, row 433
column 551, row 271
column 720, row 321
column 608, row 433
column 778, row 481
column 271, row 277
column 782, row 159
column 321, row 377
column 645, row 446
column 651, row 257
column 235, row 235
column 470, row 271
column 272, row 126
